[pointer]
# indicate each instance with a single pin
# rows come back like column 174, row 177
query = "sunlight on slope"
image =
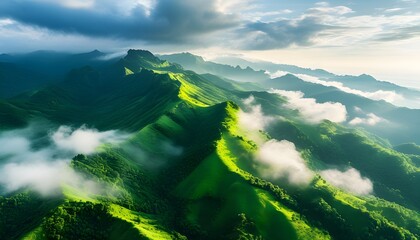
column 146, row 224
column 198, row 91
column 35, row 234
column 128, row 71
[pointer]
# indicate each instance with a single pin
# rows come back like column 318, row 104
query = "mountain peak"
column 199, row 58
column 140, row 53
column 367, row 76
column 96, row 52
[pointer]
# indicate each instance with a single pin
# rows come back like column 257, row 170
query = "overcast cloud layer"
column 165, row 22
column 250, row 24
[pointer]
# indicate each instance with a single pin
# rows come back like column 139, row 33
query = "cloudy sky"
column 381, row 38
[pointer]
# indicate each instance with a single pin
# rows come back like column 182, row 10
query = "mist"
column 350, row 180
column 312, row 111
column 152, row 158
column 370, row 119
column 280, row 160
column 42, row 163
column 388, row 96
column 274, row 160
column 253, row 118
column 84, row 140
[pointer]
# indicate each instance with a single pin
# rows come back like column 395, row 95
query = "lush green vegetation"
column 187, row 171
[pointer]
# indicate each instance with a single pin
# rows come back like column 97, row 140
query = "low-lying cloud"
column 277, row 74
column 45, row 177
column 83, row 140
column 370, row 119
column 350, row 180
column 42, row 164
column 388, row 96
column 281, row 160
column 312, row 111
column 253, row 118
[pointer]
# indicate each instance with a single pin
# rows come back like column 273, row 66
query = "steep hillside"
column 15, row 80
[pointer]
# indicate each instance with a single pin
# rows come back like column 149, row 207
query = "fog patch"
column 83, row 140
column 171, row 149
column 277, row 74
column 370, row 119
column 31, row 158
column 350, row 180
column 253, row 118
column 11, row 145
column 388, row 96
column 153, row 157
column 274, row 160
column 111, row 56
column 45, row 177
column 312, row 111
column 280, row 160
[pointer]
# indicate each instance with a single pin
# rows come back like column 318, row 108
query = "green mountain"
column 362, row 82
column 199, row 157
column 15, row 80
column 30, row 71
column 199, row 65
column 398, row 119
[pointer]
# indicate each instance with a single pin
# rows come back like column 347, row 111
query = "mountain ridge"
column 192, row 163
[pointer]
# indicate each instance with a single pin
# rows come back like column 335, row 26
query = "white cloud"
column 349, row 180
column 83, row 140
column 392, row 10
column 6, row 22
column 371, row 120
column 77, row 4
column 324, row 9
column 274, row 159
column 234, row 6
column 12, row 145
column 276, row 74
column 253, row 118
column 44, row 177
column 45, row 168
column 281, row 160
column 388, row 96
column 312, row 111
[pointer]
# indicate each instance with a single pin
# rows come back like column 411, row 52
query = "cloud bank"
column 349, row 180
column 45, row 177
column 312, row 111
column 281, row 160
column 43, row 166
column 388, row 96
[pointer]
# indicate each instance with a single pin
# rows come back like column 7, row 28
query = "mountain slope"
column 397, row 119
column 190, row 168
column 199, row 65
